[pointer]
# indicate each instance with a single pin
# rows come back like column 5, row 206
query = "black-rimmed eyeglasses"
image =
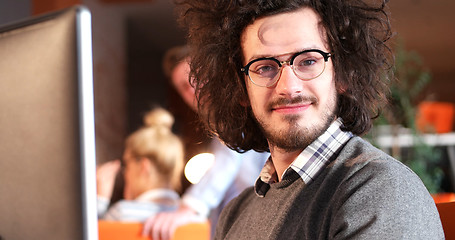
column 307, row 65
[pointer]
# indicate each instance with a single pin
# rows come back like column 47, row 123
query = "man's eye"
column 265, row 69
column 306, row 62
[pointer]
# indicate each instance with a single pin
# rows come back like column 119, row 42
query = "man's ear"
column 146, row 165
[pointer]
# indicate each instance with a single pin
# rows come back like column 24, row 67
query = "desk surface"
column 407, row 140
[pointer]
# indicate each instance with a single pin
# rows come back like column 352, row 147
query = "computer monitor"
column 47, row 138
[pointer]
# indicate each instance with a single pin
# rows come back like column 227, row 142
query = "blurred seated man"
column 153, row 163
column 231, row 173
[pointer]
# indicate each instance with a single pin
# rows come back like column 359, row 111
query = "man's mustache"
column 295, row 100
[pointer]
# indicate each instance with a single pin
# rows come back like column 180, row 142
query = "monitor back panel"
column 41, row 185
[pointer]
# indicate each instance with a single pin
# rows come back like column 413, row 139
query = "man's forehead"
column 284, row 32
column 274, row 31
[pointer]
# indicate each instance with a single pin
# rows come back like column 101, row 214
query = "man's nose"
column 288, row 83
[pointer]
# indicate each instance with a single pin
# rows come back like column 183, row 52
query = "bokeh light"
column 197, row 166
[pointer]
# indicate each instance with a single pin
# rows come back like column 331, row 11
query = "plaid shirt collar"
column 310, row 161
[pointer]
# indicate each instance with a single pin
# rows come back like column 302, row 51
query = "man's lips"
column 291, row 108
column 295, row 105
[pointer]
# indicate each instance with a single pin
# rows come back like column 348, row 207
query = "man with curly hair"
column 303, row 79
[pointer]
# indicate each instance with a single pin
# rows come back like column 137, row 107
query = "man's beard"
column 296, row 137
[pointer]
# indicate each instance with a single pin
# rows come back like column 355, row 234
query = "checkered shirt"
column 310, row 162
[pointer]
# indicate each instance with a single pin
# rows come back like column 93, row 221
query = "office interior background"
column 130, row 38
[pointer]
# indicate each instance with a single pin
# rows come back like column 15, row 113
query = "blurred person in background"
column 230, row 174
column 152, row 167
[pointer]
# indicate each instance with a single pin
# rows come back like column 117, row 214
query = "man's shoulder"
column 360, row 161
column 233, row 209
column 358, row 152
column 361, row 164
column 243, row 198
column 239, row 203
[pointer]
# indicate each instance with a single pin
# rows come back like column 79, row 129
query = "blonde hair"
column 163, row 148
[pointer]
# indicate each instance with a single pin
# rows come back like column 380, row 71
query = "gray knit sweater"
column 362, row 194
